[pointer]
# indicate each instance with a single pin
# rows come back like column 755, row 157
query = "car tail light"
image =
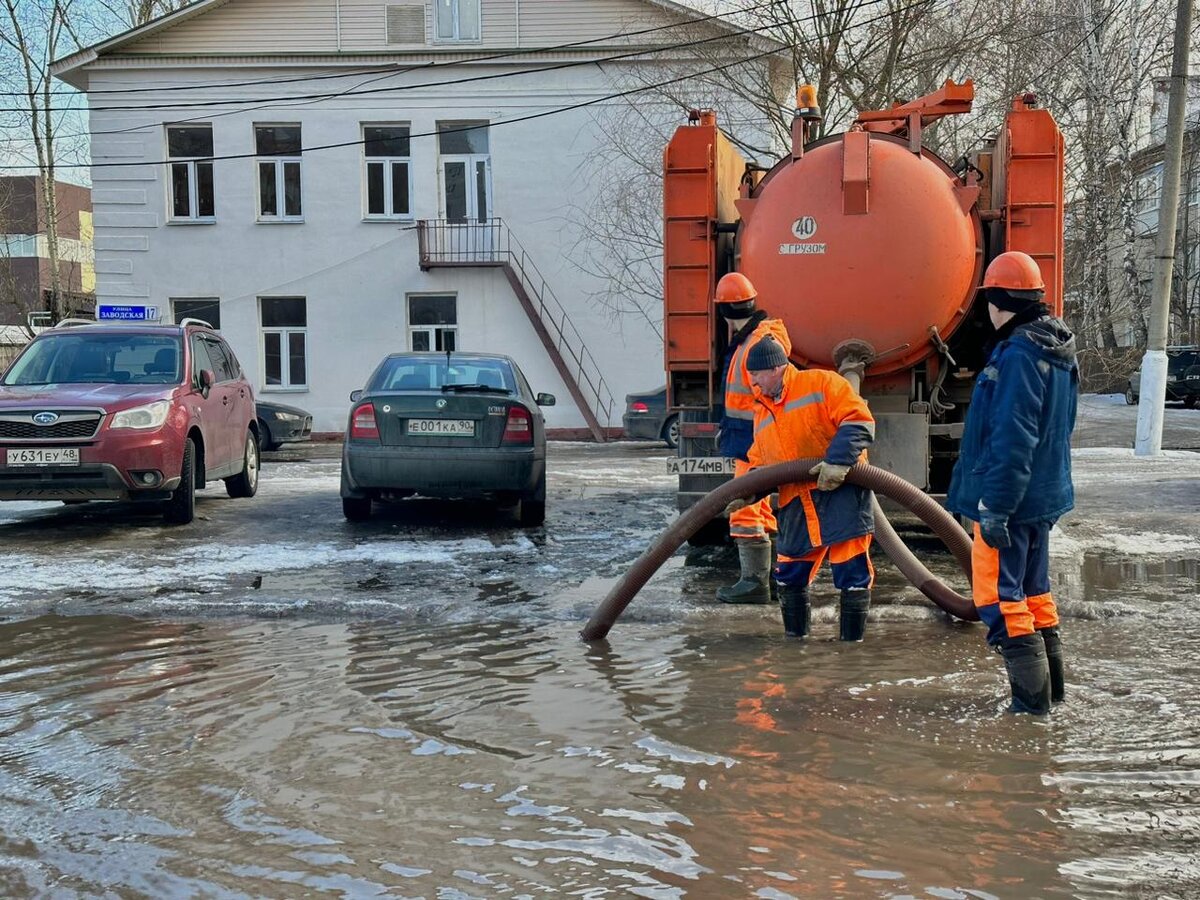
column 519, row 427
column 362, row 423
column 639, row 406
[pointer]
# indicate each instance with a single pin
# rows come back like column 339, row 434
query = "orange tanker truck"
column 871, row 249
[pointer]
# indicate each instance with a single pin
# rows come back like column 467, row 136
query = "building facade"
column 26, row 286
column 328, row 181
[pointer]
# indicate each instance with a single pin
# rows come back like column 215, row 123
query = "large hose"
column 761, row 481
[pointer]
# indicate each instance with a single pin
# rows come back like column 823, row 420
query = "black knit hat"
column 766, row 354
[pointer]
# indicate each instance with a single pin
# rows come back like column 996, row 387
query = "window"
column 224, row 363
column 200, row 359
column 433, row 323
column 206, row 309
column 284, row 337
column 1146, row 191
column 466, row 176
column 190, row 148
column 457, row 20
column 388, row 173
column 278, row 149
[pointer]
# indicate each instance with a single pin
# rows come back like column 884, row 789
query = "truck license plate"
column 700, row 465
column 439, row 427
column 44, row 456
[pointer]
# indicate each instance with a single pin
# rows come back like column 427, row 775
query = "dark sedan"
column 280, row 424
column 1183, row 378
column 461, row 425
column 647, row 418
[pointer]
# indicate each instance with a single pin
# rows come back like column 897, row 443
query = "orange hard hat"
column 734, row 288
column 1014, row 271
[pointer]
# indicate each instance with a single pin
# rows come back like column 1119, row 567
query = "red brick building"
column 25, row 282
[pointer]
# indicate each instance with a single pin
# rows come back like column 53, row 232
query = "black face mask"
column 743, row 310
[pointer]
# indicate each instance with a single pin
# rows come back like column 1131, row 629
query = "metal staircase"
column 445, row 244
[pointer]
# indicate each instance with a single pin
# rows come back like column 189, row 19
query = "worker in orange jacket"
column 753, row 526
column 815, row 413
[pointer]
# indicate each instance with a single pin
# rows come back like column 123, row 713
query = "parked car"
column 280, row 424
column 1183, row 377
column 127, row 412
column 647, row 417
column 462, row 425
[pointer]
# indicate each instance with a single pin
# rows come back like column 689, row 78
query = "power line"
column 513, row 121
column 641, row 51
column 397, row 66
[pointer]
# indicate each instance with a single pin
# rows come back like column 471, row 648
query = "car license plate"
column 44, row 456
column 700, row 465
column 442, row 427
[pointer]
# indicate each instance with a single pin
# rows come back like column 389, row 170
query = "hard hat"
column 734, row 288
column 1014, row 271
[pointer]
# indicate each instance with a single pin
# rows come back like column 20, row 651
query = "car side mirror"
column 545, row 400
column 207, row 380
column 355, row 396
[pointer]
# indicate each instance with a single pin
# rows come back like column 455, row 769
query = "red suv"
column 127, row 412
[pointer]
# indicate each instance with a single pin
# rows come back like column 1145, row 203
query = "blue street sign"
column 110, row 313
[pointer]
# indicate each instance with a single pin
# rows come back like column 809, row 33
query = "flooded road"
column 276, row 703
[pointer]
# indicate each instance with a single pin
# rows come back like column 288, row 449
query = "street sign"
column 106, row 312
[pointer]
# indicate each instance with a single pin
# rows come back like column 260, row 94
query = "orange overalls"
column 818, row 415
column 754, row 521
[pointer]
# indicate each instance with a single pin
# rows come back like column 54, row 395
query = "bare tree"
column 37, row 32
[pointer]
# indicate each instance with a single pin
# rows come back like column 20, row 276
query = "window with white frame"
column 190, row 150
column 457, row 20
column 432, row 322
column 388, row 171
column 284, row 342
column 1146, row 191
column 278, row 149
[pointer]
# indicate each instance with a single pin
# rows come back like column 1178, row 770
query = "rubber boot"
column 1054, row 657
column 852, row 618
column 793, row 607
column 775, row 586
column 754, row 585
column 1028, row 673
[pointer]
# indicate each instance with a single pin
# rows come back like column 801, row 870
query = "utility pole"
column 1154, row 363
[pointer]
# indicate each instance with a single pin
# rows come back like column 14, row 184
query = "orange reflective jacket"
column 739, row 393
column 817, row 415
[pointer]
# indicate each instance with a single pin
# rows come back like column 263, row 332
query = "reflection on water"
column 501, row 757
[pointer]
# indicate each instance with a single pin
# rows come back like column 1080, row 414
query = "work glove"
column 829, row 475
column 993, row 528
column 735, row 505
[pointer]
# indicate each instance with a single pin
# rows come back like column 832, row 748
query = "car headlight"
column 152, row 415
column 286, row 416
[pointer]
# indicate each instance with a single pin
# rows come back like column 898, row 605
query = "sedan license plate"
column 44, row 456
column 442, row 427
column 700, row 465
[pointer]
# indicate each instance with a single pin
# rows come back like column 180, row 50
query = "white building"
column 414, row 118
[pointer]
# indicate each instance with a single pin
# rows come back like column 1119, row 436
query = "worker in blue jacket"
column 1013, row 477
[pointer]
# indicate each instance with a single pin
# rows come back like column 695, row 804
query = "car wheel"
column 356, row 509
column 1130, row 397
column 670, row 432
column 245, row 483
column 181, row 508
column 1190, row 402
column 265, row 441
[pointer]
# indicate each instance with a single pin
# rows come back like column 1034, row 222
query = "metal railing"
column 492, row 243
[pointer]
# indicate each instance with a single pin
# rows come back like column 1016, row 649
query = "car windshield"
column 94, row 358
column 436, row 373
column 1179, row 361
